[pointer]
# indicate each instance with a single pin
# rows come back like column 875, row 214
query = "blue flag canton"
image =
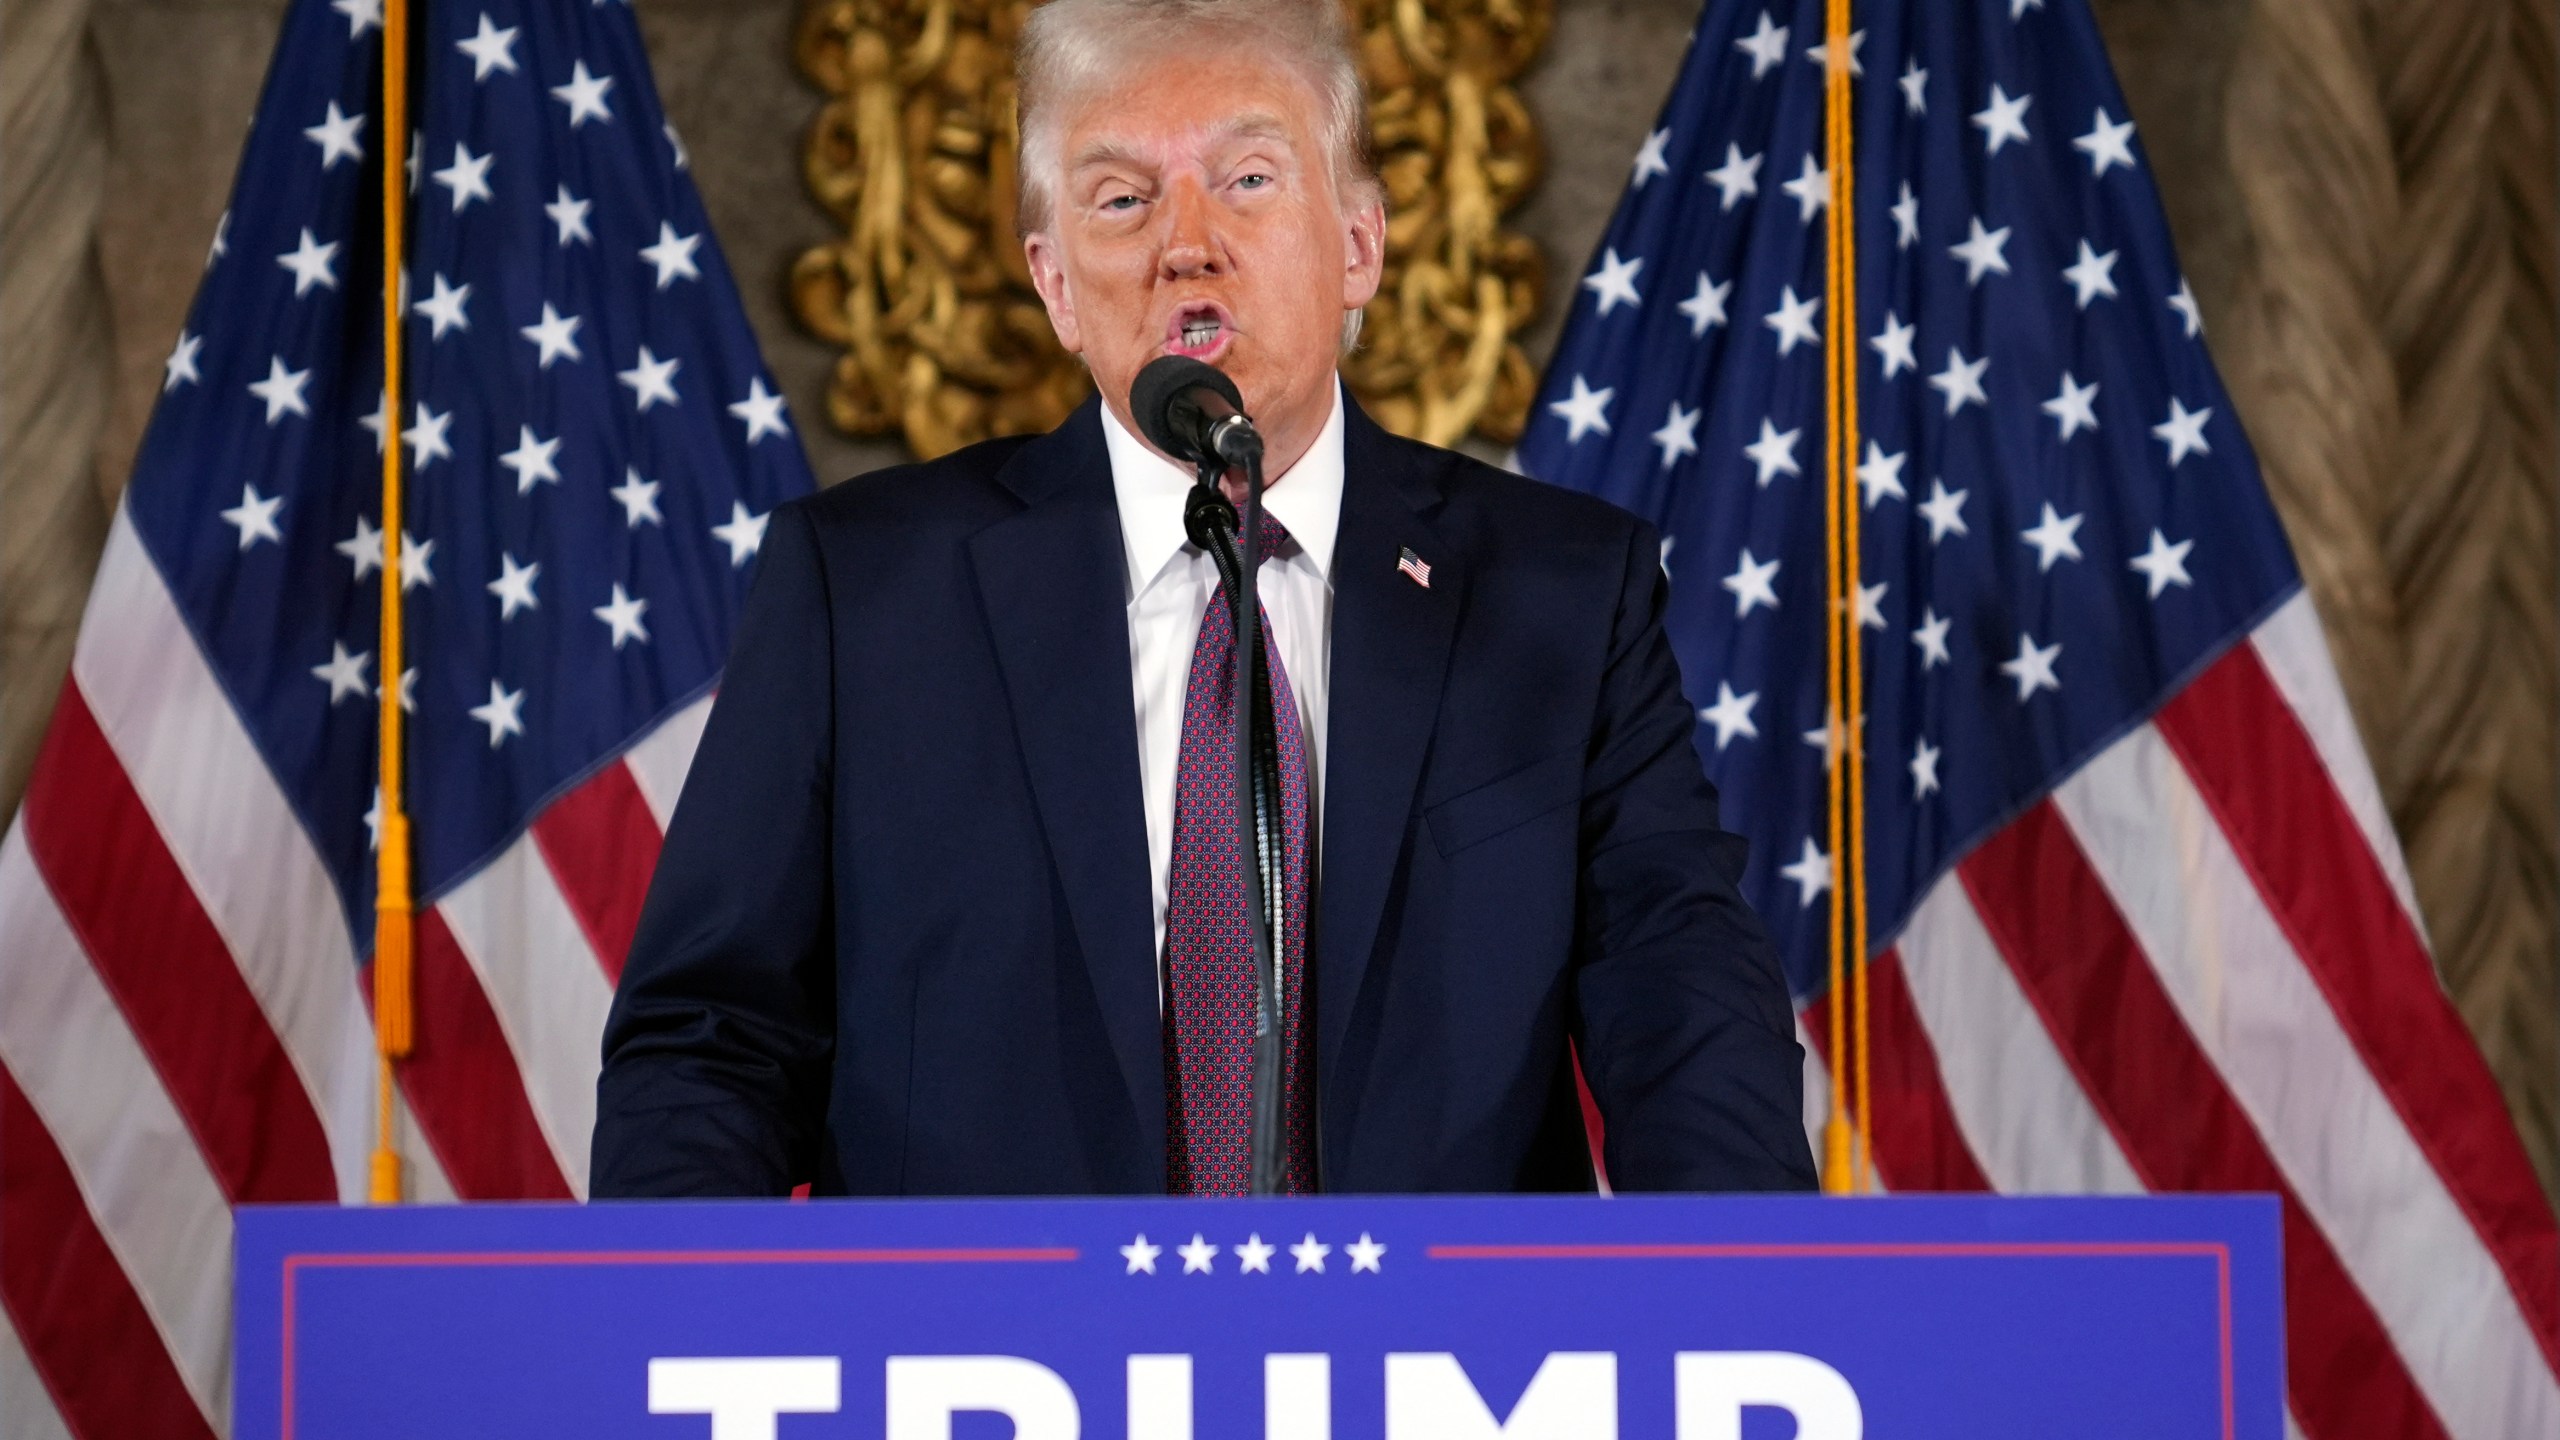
column 593, row 441
column 2062, row 519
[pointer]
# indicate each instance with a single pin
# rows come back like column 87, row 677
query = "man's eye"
column 1121, row 203
column 1254, row 182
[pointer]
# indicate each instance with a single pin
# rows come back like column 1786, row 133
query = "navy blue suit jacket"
column 900, row 939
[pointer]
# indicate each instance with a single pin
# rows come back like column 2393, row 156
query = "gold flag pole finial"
column 394, row 1026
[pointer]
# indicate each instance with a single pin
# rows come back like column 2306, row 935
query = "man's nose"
column 1192, row 245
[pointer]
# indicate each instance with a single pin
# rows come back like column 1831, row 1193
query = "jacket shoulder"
column 1518, row 506
column 954, row 492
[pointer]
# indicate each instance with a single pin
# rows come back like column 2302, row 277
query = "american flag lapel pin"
column 1412, row 567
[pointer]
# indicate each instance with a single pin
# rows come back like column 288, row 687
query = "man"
column 953, row 899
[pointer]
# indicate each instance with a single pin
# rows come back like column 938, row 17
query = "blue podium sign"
column 1708, row 1318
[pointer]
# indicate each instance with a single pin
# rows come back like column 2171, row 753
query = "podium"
column 1334, row 1318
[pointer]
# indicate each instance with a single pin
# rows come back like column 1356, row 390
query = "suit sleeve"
column 718, row 1048
column 1686, row 1032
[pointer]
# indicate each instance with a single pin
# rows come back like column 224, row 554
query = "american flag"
column 2142, row 922
column 186, row 898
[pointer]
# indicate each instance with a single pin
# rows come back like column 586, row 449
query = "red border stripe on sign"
column 601, row 841
column 170, row 971
column 1919, row 1146
column 463, row 1084
column 101, row 1359
column 2079, row 965
column 2260, row 774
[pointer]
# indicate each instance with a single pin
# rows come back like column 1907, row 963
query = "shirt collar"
column 1150, row 490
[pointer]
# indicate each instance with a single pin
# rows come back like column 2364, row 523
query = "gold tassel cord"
column 394, row 1027
column 1845, row 1132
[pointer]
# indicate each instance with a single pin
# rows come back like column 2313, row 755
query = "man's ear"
column 1049, row 277
column 1364, row 251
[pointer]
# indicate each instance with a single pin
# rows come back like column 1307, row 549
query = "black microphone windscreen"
column 1163, row 382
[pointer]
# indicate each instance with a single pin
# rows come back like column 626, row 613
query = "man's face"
column 1197, row 215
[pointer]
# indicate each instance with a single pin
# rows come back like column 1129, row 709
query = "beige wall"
column 2363, row 205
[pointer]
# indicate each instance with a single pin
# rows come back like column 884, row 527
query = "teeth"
column 1199, row 332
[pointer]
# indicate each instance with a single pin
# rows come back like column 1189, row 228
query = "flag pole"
column 393, row 981
column 1845, row 1135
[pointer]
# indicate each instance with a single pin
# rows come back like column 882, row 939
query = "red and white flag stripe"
column 183, row 1025
column 2198, row 966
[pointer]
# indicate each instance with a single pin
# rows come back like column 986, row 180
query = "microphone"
column 1192, row 412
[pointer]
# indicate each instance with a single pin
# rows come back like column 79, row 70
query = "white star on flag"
column 2053, row 537
column 312, row 263
column 1767, row 46
column 255, row 516
column 282, row 390
column 639, row 499
column 651, row 379
column 364, row 548
column 336, row 136
column 1615, row 281
column 623, row 614
column 503, row 713
column 1731, row 715
column 1309, row 1254
column 2074, row 408
column 672, row 255
column 1585, row 411
column 2107, row 143
column 514, row 586
column 1961, row 381
column 417, row 562
column 1793, row 320
column 584, row 95
column 1983, row 252
column 2092, row 275
column 1944, row 510
column 1811, row 189
column 1197, row 1255
column 344, row 672
column 467, row 177
column 1705, row 309
column 490, row 49
column 2183, row 432
column 1649, row 161
column 1141, row 1255
column 443, row 309
column 569, row 213
column 1737, row 178
column 1931, row 636
column 180, row 368
column 2033, row 669
column 1678, row 435
column 1752, row 583
column 426, row 437
column 1924, row 770
column 1880, row 475
column 556, row 335
column 2164, row 564
column 1893, row 345
column 532, row 460
column 762, row 410
column 2002, row 120
column 1811, row 873
column 744, row 533
column 1774, row 453
column 1253, row 1257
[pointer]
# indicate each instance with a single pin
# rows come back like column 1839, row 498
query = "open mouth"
column 1200, row 329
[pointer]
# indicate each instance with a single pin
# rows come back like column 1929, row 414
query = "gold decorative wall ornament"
column 944, row 340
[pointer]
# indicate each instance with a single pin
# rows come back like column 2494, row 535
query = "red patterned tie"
column 1209, row 971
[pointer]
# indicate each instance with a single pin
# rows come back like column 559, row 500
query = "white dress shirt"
column 1169, row 582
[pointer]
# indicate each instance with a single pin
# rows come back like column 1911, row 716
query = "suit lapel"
column 1051, row 581
column 1391, row 640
